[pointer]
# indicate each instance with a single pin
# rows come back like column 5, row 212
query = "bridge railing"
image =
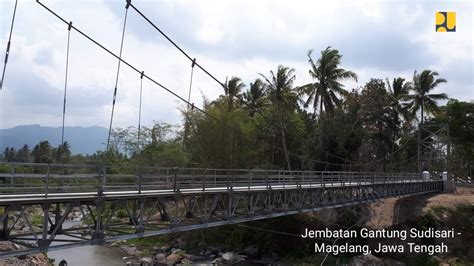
column 45, row 179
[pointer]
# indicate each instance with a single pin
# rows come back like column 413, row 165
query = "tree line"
column 43, row 152
column 272, row 123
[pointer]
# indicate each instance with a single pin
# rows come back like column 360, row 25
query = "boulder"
column 165, row 248
column 160, row 257
column 212, row 251
column 146, row 261
column 178, row 251
column 174, row 258
column 231, row 257
column 250, row 251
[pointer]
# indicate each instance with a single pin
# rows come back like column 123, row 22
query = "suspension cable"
column 7, row 53
column 65, row 81
column 187, row 111
column 174, row 93
column 117, row 76
column 140, row 112
column 218, row 81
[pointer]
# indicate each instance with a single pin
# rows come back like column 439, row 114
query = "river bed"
column 88, row 255
column 92, row 255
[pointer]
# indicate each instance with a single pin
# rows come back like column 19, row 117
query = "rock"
column 250, row 250
column 129, row 250
column 218, row 261
column 165, row 248
column 174, row 258
column 146, row 261
column 126, row 258
column 178, row 251
column 362, row 260
column 160, row 257
column 231, row 257
column 186, row 261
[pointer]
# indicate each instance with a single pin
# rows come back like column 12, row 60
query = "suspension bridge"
column 56, row 206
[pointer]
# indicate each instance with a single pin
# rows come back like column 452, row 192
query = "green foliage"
column 427, row 221
column 271, row 125
column 326, row 89
column 422, row 99
column 221, row 145
column 459, row 116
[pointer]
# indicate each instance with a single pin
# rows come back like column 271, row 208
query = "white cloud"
column 230, row 38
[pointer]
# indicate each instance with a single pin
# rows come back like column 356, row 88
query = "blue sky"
column 378, row 39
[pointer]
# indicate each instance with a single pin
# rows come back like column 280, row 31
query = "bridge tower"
column 433, row 148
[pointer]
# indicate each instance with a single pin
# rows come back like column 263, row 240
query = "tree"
column 422, row 100
column 233, row 90
column 9, row 154
column 284, row 98
column 460, row 118
column 398, row 92
column 63, row 153
column 24, row 154
column 327, row 87
column 255, row 97
column 378, row 119
column 223, row 142
column 43, row 152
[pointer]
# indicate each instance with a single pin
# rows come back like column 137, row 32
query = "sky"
column 378, row 39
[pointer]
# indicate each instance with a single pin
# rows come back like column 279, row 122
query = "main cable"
column 225, row 86
column 172, row 92
column 7, row 53
column 161, row 85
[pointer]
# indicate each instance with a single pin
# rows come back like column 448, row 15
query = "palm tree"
column 422, row 100
column 233, row 90
column 327, row 75
column 283, row 96
column 254, row 97
column 398, row 92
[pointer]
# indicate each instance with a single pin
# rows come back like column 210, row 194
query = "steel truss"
column 107, row 218
column 433, row 148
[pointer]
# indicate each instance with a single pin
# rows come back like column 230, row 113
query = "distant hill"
column 85, row 140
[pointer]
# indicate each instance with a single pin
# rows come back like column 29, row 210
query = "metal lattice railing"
column 46, row 179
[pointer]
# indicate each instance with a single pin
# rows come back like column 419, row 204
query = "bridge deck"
column 116, row 204
column 29, row 198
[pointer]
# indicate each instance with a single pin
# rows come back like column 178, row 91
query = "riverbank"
column 34, row 259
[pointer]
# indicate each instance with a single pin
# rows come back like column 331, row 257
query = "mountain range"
column 83, row 140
